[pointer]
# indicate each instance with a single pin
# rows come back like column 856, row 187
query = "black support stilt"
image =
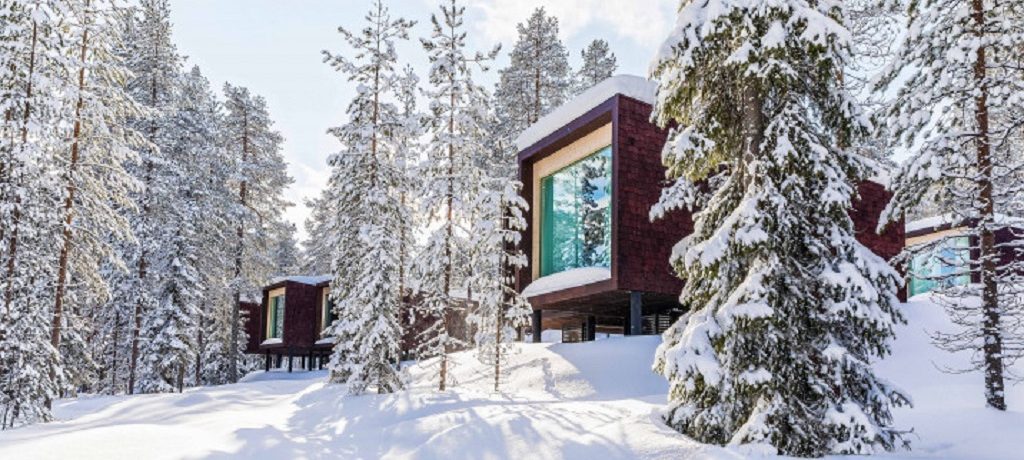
column 266, row 363
column 636, row 308
column 537, row 329
column 590, row 329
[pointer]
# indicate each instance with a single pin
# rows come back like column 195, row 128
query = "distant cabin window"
column 327, row 314
column 276, row 318
column 948, row 268
column 576, row 215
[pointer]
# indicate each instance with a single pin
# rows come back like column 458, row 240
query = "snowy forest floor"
column 586, row 401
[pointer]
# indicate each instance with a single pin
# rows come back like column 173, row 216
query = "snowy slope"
column 584, row 401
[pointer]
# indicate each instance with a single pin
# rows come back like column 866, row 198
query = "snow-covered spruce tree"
column 599, row 64
column 500, row 310
column 206, row 173
column 285, row 249
column 958, row 109
column 31, row 48
column 537, row 78
column 453, row 179
column 258, row 180
column 787, row 310
column 155, row 66
column 95, row 182
column 367, row 180
column 316, row 251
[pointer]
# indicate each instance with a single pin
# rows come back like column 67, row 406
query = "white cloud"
column 645, row 22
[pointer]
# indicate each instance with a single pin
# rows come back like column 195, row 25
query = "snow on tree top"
column 310, row 280
column 567, row 279
column 638, row 88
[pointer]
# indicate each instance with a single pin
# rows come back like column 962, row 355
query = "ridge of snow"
column 272, row 342
column 949, row 219
column 638, row 88
column 567, row 279
column 312, row 280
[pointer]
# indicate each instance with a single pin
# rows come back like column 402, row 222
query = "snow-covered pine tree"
column 453, row 179
column 258, row 181
column 155, row 66
column 538, row 77
column 285, row 249
column 500, row 310
column 958, row 112
column 316, row 250
column 787, row 310
column 367, row 179
column 206, row 173
column 599, row 64
column 31, row 50
column 95, row 182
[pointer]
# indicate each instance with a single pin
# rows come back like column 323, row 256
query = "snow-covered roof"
column 567, row 279
column 310, row 280
column 949, row 219
column 638, row 88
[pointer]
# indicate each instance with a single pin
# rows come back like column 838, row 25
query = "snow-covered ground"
column 589, row 401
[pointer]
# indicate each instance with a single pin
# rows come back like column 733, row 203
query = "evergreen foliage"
column 370, row 216
column 787, row 311
column 960, row 89
column 599, row 64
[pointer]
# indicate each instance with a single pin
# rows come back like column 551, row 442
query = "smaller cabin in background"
column 293, row 315
column 953, row 250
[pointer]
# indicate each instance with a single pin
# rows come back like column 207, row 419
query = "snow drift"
column 586, row 401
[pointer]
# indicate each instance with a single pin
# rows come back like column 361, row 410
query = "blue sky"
column 273, row 48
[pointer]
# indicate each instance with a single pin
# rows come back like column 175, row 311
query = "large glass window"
column 949, row 267
column 275, row 323
column 327, row 315
column 576, row 216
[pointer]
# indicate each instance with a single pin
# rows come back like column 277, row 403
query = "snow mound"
column 638, row 88
column 567, row 279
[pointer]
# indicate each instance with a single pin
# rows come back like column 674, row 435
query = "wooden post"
column 290, row 358
column 537, row 329
column 590, row 329
column 267, row 362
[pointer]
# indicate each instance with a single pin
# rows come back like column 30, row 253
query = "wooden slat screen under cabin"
column 656, row 324
column 572, row 334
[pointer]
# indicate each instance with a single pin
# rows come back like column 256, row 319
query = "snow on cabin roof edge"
column 310, row 280
column 638, row 88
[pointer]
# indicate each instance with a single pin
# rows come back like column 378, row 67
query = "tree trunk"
column 239, row 252
column 113, row 354
column 991, row 332
column 69, row 210
column 12, row 247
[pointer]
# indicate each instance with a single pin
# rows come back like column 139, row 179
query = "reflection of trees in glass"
column 579, row 226
column 596, row 234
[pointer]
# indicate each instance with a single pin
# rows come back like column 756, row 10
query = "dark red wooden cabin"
column 640, row 293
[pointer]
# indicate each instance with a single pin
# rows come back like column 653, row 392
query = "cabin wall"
column 866, row 212
column 301, row 315
column 642, row 249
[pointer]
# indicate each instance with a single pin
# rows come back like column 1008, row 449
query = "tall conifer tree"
column 958, row 112
column 370, row 218
column 787, row 310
